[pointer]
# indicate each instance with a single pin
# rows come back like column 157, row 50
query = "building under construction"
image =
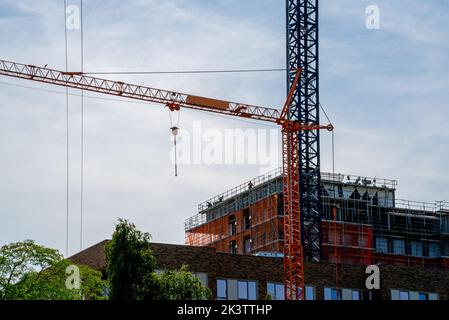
column 289, row 220
column 235, row 243
column 362, row 222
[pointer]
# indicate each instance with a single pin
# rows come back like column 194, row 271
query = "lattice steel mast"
column 302, row 52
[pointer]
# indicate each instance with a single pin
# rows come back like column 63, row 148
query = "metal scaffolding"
column 362, row 222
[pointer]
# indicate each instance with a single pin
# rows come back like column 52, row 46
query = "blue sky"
column 386, row 91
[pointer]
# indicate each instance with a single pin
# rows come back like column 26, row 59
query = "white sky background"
column 385, row 90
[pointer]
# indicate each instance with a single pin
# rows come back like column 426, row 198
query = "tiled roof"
column 93, row 257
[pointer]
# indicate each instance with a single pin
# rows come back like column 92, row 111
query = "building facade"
column 249, row 277
column 234, row 244
column 362, row 223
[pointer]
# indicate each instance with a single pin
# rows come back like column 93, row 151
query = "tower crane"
column 298, row 120
column 302, row 52
column 174, row 101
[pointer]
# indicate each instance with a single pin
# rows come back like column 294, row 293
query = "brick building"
column 234, row 243
column 234, row 276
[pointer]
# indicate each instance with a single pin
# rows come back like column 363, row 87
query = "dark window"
column 375, row 200
column 423, row 296
column 355, row 195
column 232, row 225
column 280, row 204
column 434, row 250
column 382, row 245
column 332, row 294
column 366, row 196
column 247, row 244
column 246, row 219
column 233, row 247
column 281, row 234
column 399, row 246
column 416, row 248
column 324, row 192
column 340, row 191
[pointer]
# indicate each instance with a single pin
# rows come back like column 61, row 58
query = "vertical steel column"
column 293, row 252
column 302, row 52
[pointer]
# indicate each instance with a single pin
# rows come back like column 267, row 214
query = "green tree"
column 21, row 258
column 30, row 271
column 181, row 285
column 131, row 265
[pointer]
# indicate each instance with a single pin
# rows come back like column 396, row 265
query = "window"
column 276, row 291
column 423, row 296
column 202, row 276
column 336, row 294
column 403, row 295
column 382, row 245
column 356, row 295
column 280, row 292
column 280, row 203
column 233, row 247
column 271, row 291
column 332, row 294
column 222, row 289
column 412, row 295
column 398, row 246
column 232, row 225
column 416, row 248
column 246, row 290
column 280, row 234
column 434, row 250
column 243, row 290
column 433, row 296
column 246, row 219
column 347, row 295
column 247, row 244
column 310, row 293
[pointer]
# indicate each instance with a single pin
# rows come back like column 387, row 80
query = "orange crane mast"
column 293, row 251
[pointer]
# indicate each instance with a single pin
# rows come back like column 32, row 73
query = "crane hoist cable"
column 82, row 129
column 175, row 131
column 334, row 209
column 67, row 134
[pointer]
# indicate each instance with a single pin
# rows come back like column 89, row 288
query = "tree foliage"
column 22, row 258
column 181, row 285
column 130, row 263
column 29, row 271
column 131, row 270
